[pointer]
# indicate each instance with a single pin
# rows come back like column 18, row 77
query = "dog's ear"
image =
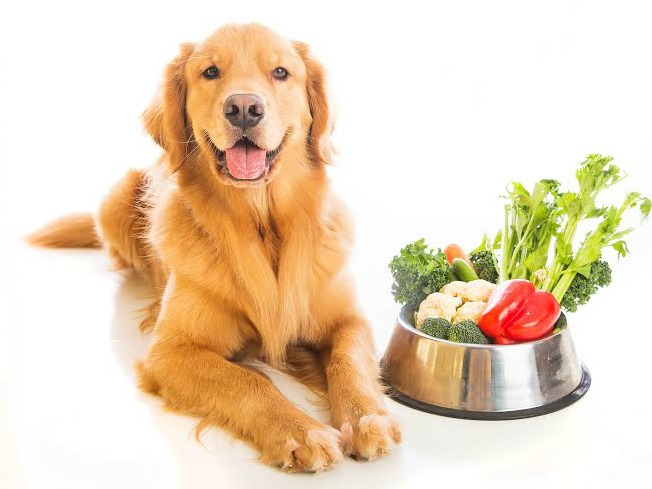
column 165, row 119
column 320, row 149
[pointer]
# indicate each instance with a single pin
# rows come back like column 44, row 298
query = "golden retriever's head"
column 243, row 102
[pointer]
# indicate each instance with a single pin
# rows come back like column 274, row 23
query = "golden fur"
column 245, row 270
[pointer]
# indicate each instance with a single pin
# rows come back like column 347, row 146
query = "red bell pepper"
column 517, row 312
column 501, row 340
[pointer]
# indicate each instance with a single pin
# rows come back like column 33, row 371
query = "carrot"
column 453, row 251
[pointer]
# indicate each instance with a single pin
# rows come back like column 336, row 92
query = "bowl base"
column 551, row 407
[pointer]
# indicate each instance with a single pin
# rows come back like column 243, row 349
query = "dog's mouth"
column 245, row 160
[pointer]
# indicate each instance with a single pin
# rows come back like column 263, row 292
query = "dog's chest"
column 270, row 241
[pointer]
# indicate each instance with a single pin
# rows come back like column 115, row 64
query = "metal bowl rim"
column 402, row 319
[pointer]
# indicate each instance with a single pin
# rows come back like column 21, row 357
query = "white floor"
column 71, row 416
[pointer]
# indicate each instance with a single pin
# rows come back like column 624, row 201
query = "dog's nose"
column 244, row 110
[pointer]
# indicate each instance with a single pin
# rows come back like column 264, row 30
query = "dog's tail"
column 71, row 231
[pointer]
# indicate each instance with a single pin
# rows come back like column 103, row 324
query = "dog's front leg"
column 355, row 393
column 188, row 368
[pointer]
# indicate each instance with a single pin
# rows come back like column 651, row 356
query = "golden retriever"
column 246, row 246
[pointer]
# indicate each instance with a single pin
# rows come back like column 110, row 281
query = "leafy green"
column 531, row 221
column 540, row 227
column 606, row 234
column 582, row 288
column 418, row 272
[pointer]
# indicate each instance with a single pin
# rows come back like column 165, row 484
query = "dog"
column 246, row 247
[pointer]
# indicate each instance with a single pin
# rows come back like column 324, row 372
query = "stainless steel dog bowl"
column 490, row 382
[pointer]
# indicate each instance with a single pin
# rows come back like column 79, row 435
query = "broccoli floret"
column 485, row 264
column 582, row 288
column 418, row 272
column 466, row 332
column 437, row 327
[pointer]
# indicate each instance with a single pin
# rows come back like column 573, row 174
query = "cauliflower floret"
column 478, row 290
column 455, row 288
column 437, row 305
column 469, row 310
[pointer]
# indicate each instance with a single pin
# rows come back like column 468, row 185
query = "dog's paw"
column 371, row 436
column 317, row 450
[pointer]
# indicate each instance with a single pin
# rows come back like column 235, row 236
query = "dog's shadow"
column 129, row 344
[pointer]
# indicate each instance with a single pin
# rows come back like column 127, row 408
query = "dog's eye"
column 211, row 73
column 280, row 73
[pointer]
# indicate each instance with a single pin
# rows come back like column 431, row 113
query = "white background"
column 437, row 107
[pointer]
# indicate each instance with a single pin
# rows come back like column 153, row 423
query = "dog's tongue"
column 245, row 161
